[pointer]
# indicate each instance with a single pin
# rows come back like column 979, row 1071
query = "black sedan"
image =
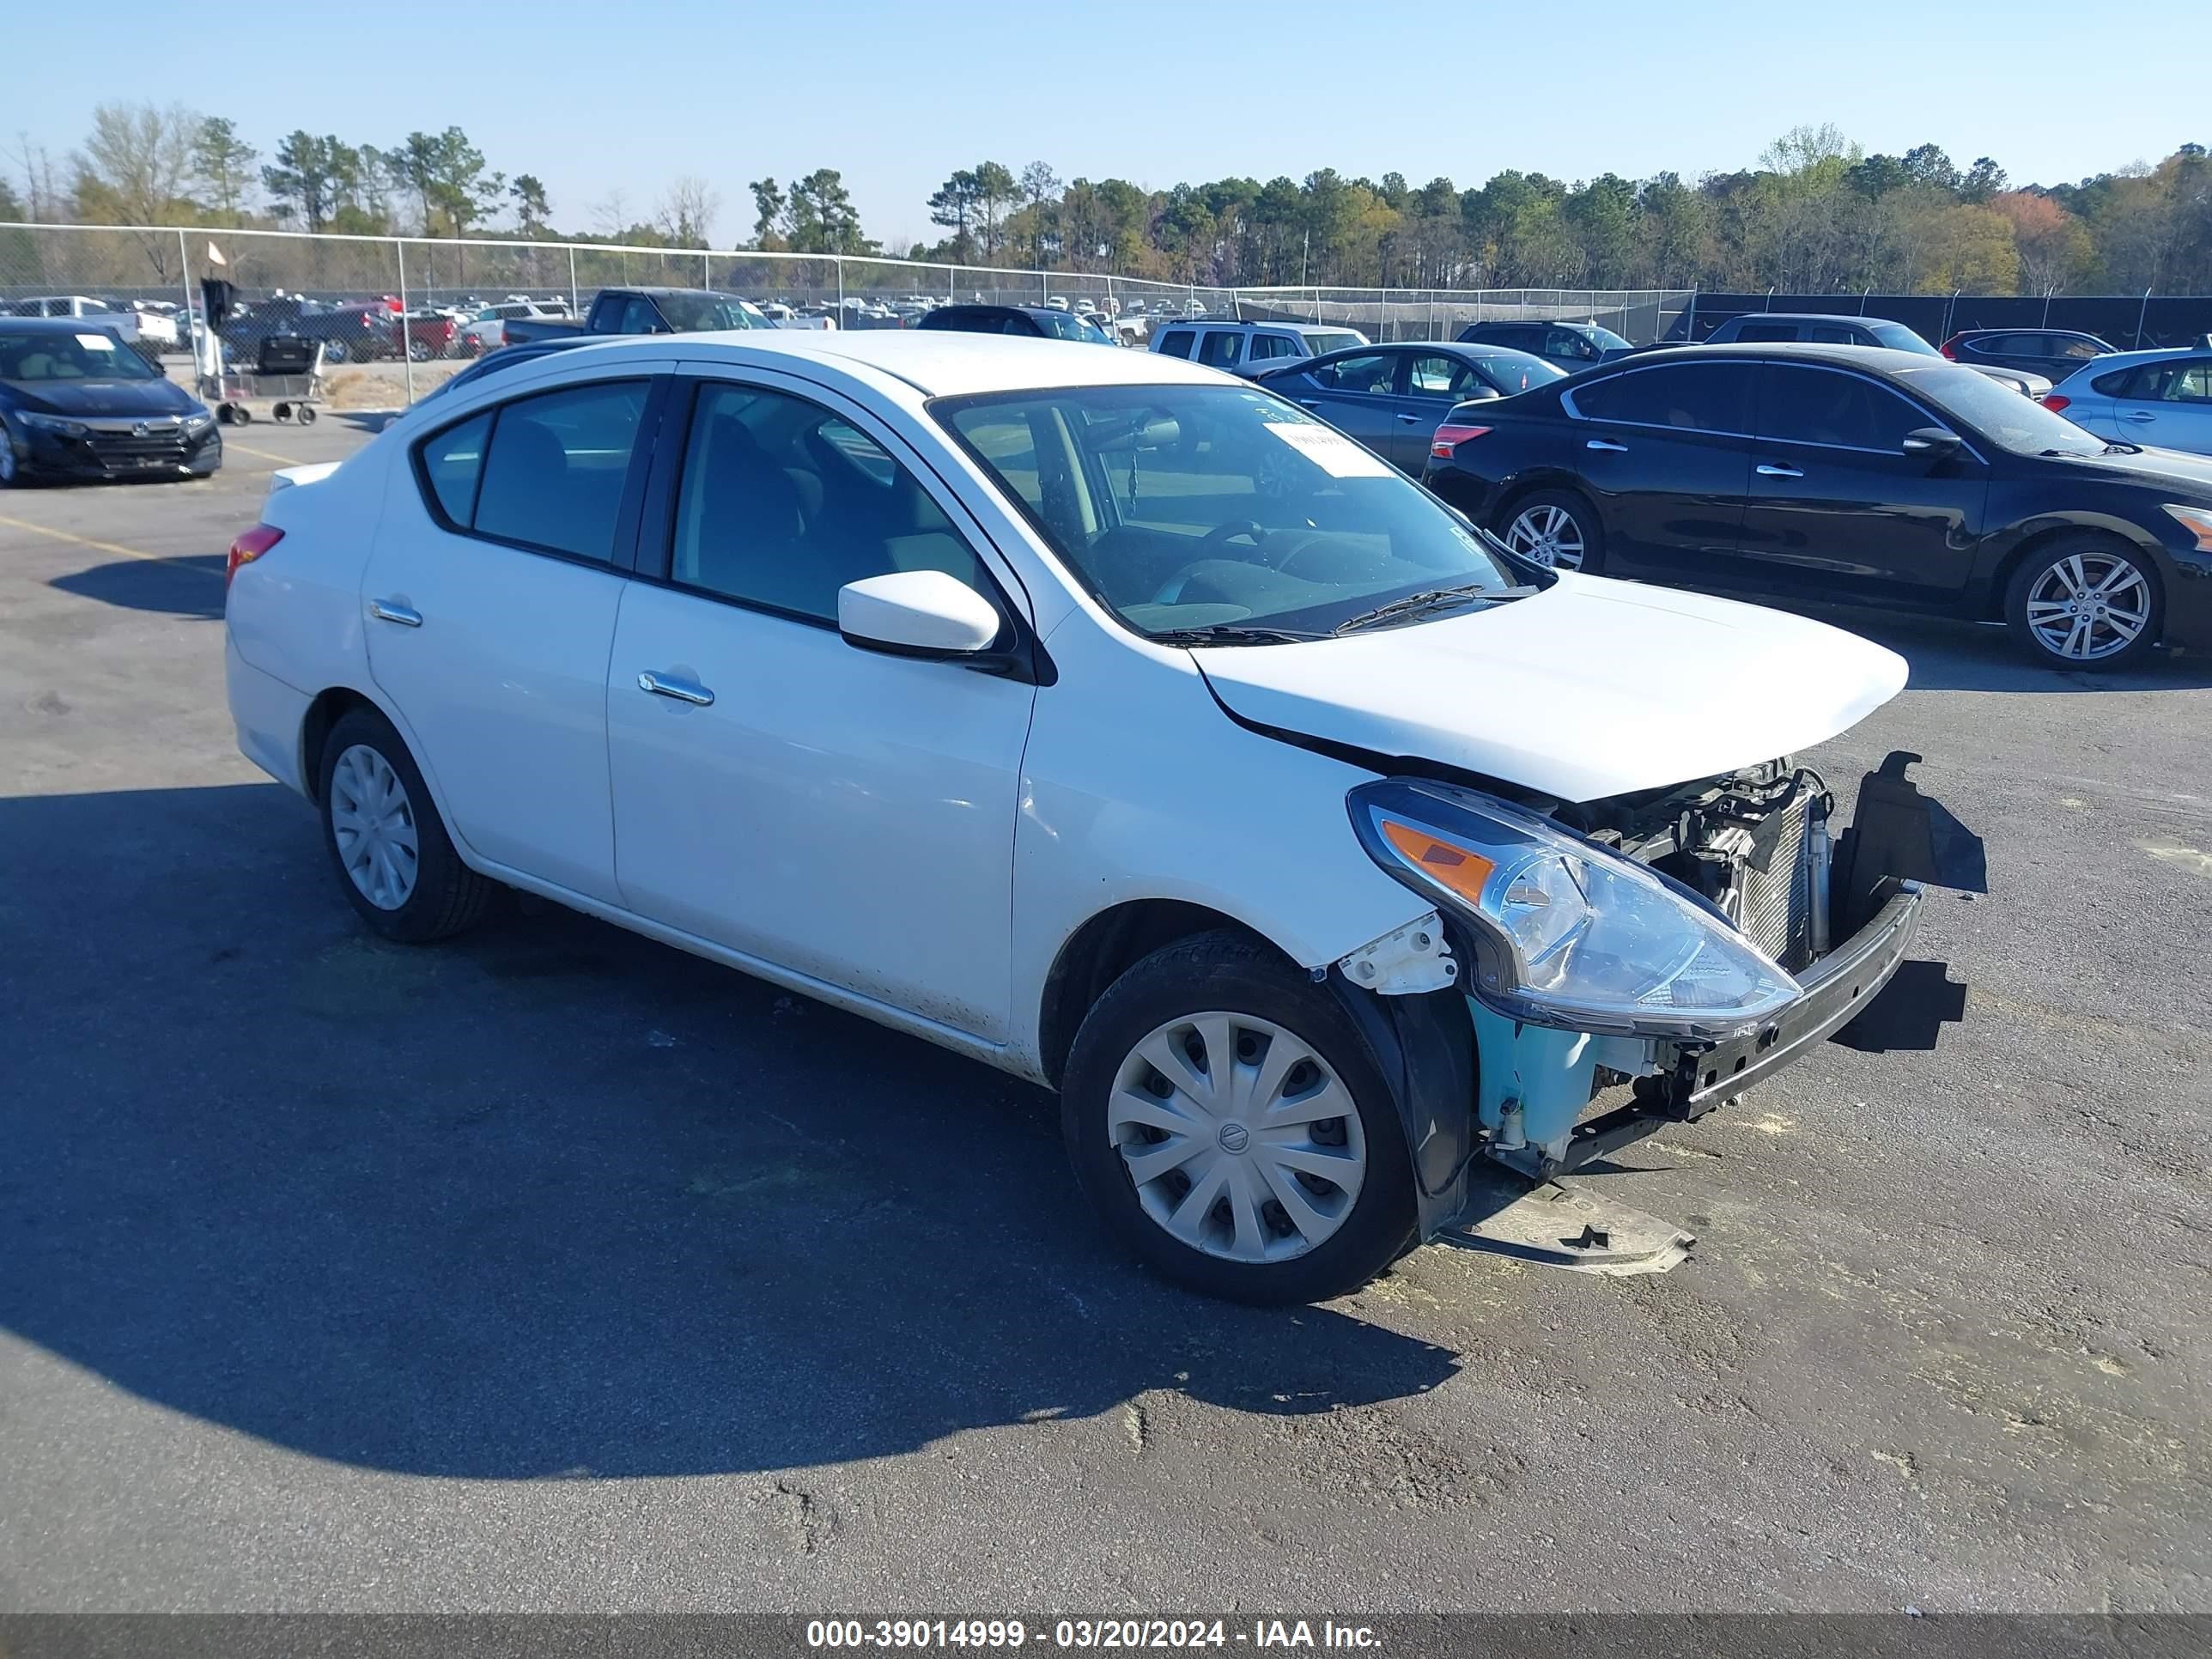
column 1849, row 474
column 75, row 403
column 1392, row 398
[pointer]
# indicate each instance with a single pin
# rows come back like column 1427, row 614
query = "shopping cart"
column 284, row 383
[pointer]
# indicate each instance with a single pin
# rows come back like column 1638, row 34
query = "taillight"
column 2053, row 402
column 1449, row 437
column 1948, row 347
column 251, row 545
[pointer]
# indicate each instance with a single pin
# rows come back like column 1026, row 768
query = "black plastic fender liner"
column 1891, row 839
column 1423, row 1046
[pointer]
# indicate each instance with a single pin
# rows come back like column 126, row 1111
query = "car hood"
column 1590, row 688
column 93, row 399
column 2176, row 471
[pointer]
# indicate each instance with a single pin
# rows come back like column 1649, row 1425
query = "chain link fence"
column 397, row 315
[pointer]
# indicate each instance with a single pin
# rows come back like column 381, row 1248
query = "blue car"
column 2160, row 399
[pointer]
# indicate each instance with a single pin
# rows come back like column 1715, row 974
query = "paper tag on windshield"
column 1330, row 450
column 96, row 342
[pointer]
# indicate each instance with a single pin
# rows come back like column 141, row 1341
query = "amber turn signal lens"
column 1455, row 868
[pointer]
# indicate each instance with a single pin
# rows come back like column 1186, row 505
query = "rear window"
column 1176, row 342
column 1766, row 333
column 1689, row 397
column 551, row 474
column 1897, row 337
column 1321, row 344
column 1221, row 346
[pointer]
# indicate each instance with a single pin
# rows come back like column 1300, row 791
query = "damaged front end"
column 1690, row 940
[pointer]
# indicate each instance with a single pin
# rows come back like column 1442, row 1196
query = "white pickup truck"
column 149, row 331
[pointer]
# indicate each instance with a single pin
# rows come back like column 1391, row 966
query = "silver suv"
column 1250, row 348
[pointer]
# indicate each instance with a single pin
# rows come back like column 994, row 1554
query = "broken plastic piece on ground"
column 1555, row 1225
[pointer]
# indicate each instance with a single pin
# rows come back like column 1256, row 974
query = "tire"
column 11, row 471
column 1531, row 519
column 336, row 350
column 1113, row 1112
column 304, row 414
column 419, row 352
column 2115, row 587
column 362, row 758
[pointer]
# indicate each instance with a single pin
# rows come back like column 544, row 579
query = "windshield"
column 1184, row 508
column 58, row 355
column 2000, row 414
column 1897, row 337
column 1516, row 371
column 694, row 313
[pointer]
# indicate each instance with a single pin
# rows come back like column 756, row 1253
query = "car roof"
column 936, row 363
column 2112, row 360
column 47, row 324
column 2028, row 328
column 1882, row 358
column 1810, row 317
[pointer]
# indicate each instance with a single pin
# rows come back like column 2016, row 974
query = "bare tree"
column 611, row 213
column 687, row 211
column 134, row 169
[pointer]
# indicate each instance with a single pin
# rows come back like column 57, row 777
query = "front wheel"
column 1555, row 528
column 1226, row 1118
column 2084, row 602
column 336, row 351
column 395, row 861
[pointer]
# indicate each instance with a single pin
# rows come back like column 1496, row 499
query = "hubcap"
column 1549, row 536
column 1240, row 1141
column 2088, row 606
column 373, row 824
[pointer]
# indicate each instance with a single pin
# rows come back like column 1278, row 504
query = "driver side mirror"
column 1932, row 441
column 916, row 613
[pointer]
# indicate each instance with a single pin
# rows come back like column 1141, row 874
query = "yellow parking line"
column 106, row 547
column 262, row 454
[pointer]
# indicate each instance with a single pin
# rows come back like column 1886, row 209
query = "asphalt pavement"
column 553, row 1269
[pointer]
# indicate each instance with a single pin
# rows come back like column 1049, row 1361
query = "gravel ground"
column 554, row 1269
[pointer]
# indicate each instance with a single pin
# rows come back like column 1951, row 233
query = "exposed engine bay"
column 1755, row 843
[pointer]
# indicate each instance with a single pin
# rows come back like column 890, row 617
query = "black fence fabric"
column 2127, row 323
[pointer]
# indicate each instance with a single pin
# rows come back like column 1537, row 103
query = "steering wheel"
column 1219, row 536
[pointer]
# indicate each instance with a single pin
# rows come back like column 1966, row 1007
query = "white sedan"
column 1101, row 717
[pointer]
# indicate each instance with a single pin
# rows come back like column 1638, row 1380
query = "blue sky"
column 628, row 96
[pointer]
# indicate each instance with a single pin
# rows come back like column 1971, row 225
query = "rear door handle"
column 1309, row 403
column 391, row 610
column 1410, row 420
column 2137, row 415
column 1768, row 471
column 667, row 685
column 1607, row 446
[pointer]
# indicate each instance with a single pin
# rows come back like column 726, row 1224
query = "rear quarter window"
column 1176, row 342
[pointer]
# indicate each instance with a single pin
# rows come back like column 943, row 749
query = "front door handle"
column 667, row 685
column 1607, row 446
column 391, row 610
column 1766, row 470
column 2137, row 415
column 1410, row 420
column 1309, row 403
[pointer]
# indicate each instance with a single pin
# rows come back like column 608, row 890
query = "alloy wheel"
column 372, row 822
column 1240, row 1141
column 2089, row 606
column 1547, row 534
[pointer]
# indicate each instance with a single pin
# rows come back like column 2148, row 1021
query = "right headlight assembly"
column 1567, row 933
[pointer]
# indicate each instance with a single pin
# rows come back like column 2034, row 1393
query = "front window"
column 1219, row 507
column 1897, row 337
column 47, row 356
column 2000, row 414
column 697, row 313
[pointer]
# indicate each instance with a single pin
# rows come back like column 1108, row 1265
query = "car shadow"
column 179, row 586
column 367, row 420
column 549, row 1200
column 1958, row 656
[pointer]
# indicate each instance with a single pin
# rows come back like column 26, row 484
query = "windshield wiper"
column 1431, row 599
column 1232, row 634
column 2072, row 455
column 2123, row 449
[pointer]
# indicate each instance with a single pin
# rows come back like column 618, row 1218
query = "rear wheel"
column 336, row 351
column 2084, row 602
column 1554, row 527
column 395, row 861
column 1229, row 1122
